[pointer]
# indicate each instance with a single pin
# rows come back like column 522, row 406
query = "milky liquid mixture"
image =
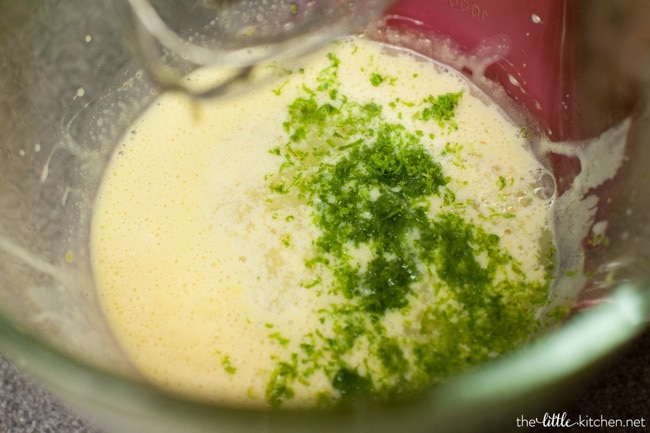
column 277, row 248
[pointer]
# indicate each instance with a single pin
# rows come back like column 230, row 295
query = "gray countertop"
column 621, row 391
column 25, row 407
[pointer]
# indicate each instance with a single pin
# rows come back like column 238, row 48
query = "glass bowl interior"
column 69, row 89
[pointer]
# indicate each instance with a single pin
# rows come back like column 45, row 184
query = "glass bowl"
column 70, row 88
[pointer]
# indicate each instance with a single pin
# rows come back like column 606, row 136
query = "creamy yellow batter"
column 201, row 269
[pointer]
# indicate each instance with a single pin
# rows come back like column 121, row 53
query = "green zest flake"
column 526, row 133
column 279, row 387
column 371, row 184
column 502, row 182
column 376, row 79
column 226, row 363
column 279, row 338
column 441, row 109
column 351, row 384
